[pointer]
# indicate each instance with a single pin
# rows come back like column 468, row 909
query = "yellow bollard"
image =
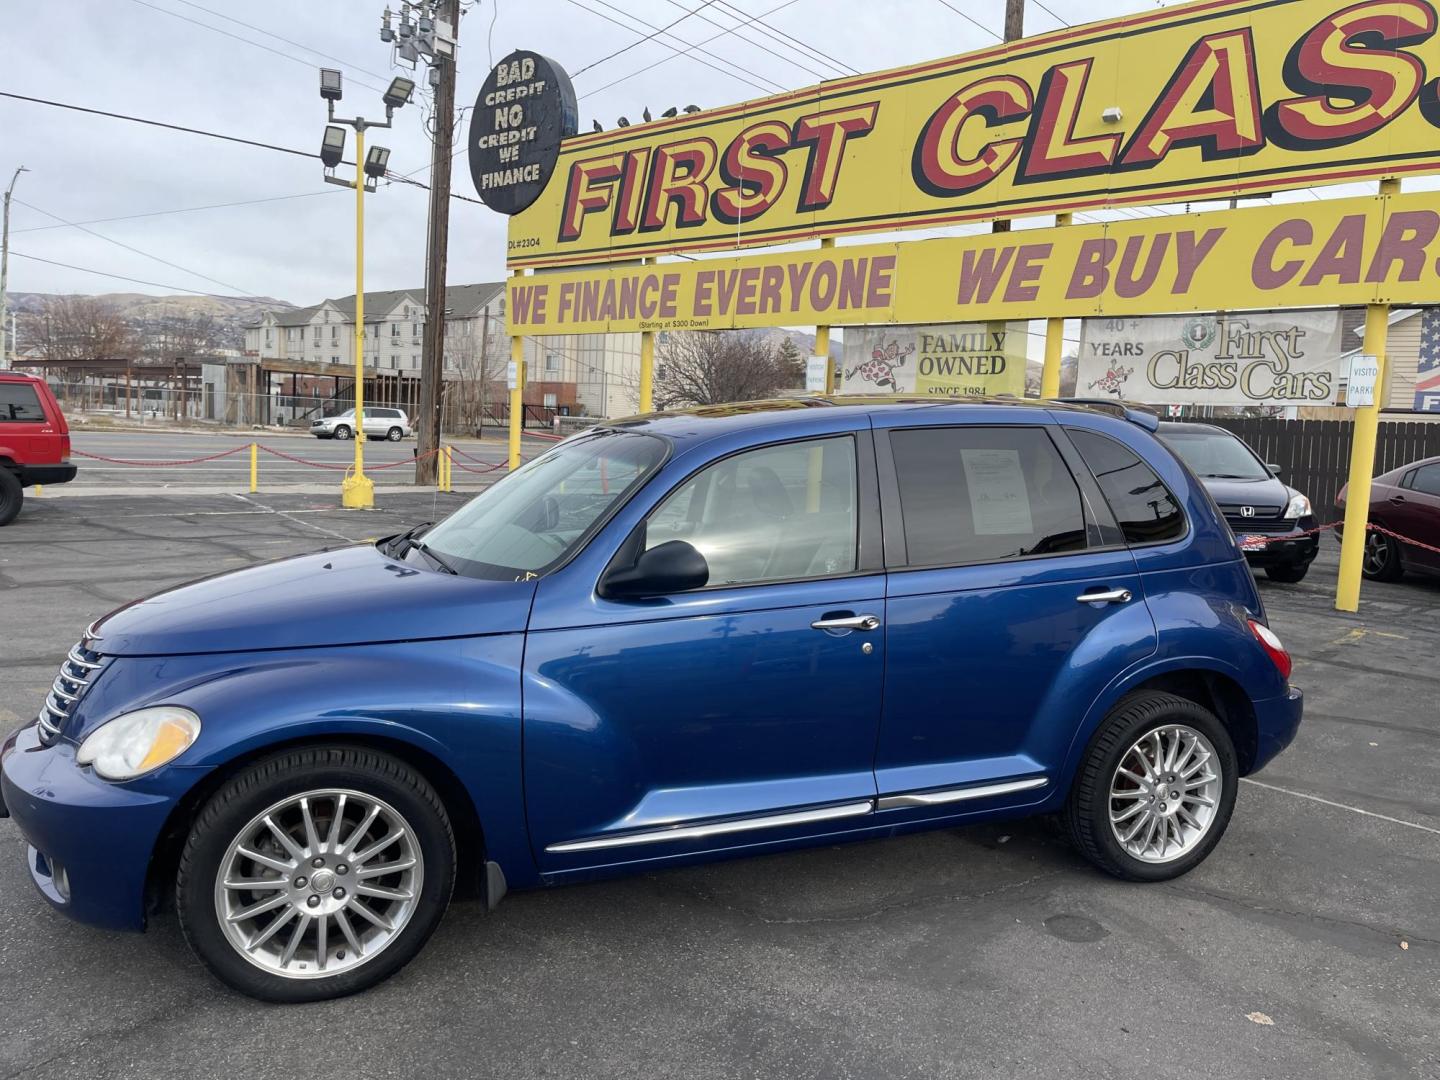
column 254, row 468
column 450, row 468
column 39, row 489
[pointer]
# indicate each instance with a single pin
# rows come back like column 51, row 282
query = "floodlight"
column 332, row 147
column 399, row 92
column 377, row 160
column 330, row 84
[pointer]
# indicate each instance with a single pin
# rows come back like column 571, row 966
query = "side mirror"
column 674, row 566
column 1274, row 469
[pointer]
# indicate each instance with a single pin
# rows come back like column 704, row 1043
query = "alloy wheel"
column 319, row 883
column 1164, row 793
column 1377, row 553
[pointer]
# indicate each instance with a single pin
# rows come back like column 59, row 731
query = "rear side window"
column 1427, row 479
column 977, row 494
column 1144, row 507
column 19, row 404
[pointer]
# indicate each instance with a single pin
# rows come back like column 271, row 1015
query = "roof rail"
column 1143, row 415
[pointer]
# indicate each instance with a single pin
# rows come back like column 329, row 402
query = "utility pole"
column 427, row 31
column 5, row 268
column 1014, row 28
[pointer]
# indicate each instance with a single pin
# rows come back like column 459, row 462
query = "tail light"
column 1273, row 649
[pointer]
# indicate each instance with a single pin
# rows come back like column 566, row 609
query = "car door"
column 735, row 715
column 378, row 421
column 1413, row 511
column 27, row 435
column 1012, row 602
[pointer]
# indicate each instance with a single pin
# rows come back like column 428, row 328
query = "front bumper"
column 1277, row 721
column 46, row 474
column 90, row 842
column 1297, row 547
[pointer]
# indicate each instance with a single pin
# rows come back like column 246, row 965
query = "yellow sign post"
column 357, row 491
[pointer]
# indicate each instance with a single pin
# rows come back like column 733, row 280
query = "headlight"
column 138, row 742
column 1299, row 507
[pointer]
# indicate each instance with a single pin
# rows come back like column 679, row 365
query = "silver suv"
column 380, row 423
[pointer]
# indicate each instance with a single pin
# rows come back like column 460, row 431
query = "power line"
column 177, row 210
column 122, row 277
column 678, row 52
column 762, row 46
column 776, row 31
column 649, row 37
column 161, row 124
column 963, row 15
column 683, row 52
column 127, row 247
column 1037, row 3
column 245, row 40
column 277, row 37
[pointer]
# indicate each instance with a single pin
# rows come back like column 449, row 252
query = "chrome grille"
column 76, row 672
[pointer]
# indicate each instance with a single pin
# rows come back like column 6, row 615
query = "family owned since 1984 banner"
column 949, row 360
column 1224, row 359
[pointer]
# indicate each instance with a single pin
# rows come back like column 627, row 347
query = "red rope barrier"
column 160, row 464
column 1257, row 541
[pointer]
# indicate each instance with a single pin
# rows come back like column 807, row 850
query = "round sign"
column 525, row 108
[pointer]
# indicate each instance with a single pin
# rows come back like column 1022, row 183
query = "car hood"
column 1266, row 494
column 349, row 596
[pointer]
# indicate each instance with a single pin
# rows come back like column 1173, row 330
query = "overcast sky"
column 182, row 61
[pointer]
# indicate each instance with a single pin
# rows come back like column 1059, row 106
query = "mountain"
column 142, row 312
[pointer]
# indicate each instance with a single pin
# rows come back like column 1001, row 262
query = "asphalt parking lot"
column 1307, row 946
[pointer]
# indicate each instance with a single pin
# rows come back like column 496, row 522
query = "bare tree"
column 169, row 337
column 80, row 328
column 479, row 354
column 709, row 368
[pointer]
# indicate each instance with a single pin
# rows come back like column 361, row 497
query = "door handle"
column 1111, row 596
column 848, row 622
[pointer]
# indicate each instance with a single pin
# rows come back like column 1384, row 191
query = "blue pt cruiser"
column 671, row 639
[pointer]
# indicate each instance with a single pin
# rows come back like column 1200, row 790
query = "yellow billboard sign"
column 1200, row 100
column 1379, row 249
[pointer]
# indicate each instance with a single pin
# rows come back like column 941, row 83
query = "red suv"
column 34, row 440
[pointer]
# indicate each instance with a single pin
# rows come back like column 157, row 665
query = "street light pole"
column 357, row 491
column 5, row 268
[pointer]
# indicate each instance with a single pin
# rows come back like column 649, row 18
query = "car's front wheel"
column 315, row 873
column 1155, row 790
column 395, row 434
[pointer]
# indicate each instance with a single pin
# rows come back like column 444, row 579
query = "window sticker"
column 999, row 501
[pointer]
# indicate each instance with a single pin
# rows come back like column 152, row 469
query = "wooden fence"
column 1314, row 455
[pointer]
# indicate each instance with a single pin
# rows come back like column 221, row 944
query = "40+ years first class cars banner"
column 1201, row 100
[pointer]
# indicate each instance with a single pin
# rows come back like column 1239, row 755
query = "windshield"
column 1215, row 455
column 540, row 514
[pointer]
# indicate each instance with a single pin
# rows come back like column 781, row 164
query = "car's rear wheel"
column 12, row 496
column 1382, row 557
column 395, row 434
column 1155, row 790
column 1290, row 575
column 315, row 874
column 342, row 432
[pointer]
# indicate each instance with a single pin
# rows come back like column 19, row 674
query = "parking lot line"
column 1341, row 806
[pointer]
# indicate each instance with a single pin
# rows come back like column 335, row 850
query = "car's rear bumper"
column 89, row 842
column 30, row 475
column 1276, row 721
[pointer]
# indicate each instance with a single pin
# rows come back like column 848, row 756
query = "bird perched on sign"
column 646, row 113
column 597, row 125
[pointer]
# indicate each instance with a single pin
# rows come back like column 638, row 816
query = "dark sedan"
column 1270, row 519
column 1404, row 501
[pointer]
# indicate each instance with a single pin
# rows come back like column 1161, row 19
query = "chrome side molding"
column 960, row 794
column 717, row 828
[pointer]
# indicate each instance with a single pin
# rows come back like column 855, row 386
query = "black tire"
column 395, row 434
column 1087, row 811
column 1289, row 575
column 261, row 786
column 12, row 496
column 1381, row 561
column 342, row 432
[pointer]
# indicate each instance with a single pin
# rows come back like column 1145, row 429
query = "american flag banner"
column 1427, row 372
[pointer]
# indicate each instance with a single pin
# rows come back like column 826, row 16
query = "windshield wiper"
column 1227, row 476
column 406, row 539
column 420, row 546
